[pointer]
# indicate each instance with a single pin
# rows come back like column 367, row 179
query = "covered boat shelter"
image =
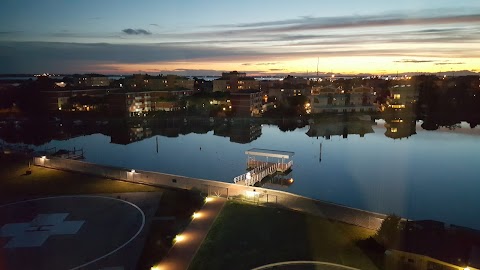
column 257, row 157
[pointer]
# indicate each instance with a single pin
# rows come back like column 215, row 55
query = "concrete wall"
column 214, row 188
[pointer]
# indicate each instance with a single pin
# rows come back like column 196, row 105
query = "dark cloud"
column 439, row 30
column 435, row 62
column 414, row 61
column 68, row 57
column 266, row 64
column 449, row 63
column 324, row 23
column 276, row 69
column 130, row 31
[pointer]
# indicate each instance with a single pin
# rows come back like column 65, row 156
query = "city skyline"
column 270, row 37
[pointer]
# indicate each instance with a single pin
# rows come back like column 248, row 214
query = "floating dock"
column 262, row 163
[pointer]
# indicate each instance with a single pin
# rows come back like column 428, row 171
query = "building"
column 295, row 82
column 234, row 82
column 143, row 82
column 134, row 103
column 246, row 103
column 61, row 99
column 335, row 100
column 402, row 97
column 202, row 85
column 431, row 245
column 91, row 81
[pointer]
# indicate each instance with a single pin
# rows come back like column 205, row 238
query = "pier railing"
column 257, row 174
column 262, row 170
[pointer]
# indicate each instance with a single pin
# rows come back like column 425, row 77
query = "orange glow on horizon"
column 345, row 65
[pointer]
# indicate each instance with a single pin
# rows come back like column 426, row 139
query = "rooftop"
column 269, row 153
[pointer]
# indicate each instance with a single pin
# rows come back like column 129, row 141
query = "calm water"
column 429, row 175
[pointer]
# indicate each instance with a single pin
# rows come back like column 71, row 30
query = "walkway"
column 183, row 251
column 260, row 170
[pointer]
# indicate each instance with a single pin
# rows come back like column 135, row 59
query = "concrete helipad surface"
column 72, row 232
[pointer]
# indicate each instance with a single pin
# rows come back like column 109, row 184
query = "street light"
column 179, row 238
column 196, row 215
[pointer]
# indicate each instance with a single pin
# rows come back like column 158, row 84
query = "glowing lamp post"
column 179, row 238
column 248, row 177
column 131, row 174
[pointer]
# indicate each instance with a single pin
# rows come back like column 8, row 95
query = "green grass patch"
column 247, row 236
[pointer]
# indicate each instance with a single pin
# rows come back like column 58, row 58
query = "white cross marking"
column 36, row 232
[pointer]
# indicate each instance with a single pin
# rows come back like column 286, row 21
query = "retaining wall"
column 258, row 195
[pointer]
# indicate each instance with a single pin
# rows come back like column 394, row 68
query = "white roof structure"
column 269, row 153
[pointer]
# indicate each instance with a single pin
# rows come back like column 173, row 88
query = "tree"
column 389, row 232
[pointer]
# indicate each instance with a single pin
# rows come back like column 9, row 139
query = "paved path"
column 183, row 251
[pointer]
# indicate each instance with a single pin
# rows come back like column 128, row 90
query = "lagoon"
column 419, row 174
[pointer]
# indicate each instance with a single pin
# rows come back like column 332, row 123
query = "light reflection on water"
column 430, row 175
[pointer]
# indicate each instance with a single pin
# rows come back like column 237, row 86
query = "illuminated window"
column 393, row 130
column 396, row 96
column 398, row 106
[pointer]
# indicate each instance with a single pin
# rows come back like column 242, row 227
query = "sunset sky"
column 258, row 37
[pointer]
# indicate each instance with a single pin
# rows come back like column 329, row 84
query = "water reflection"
column 400, row 126
column 341, row 126
column 279, row 181
column 238, row 131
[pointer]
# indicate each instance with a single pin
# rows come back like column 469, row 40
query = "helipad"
column 68, row 232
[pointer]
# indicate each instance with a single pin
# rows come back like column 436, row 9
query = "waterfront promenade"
column 232, row 191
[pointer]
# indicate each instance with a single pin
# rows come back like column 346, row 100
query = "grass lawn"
column 14, row 183
column 246, row 236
